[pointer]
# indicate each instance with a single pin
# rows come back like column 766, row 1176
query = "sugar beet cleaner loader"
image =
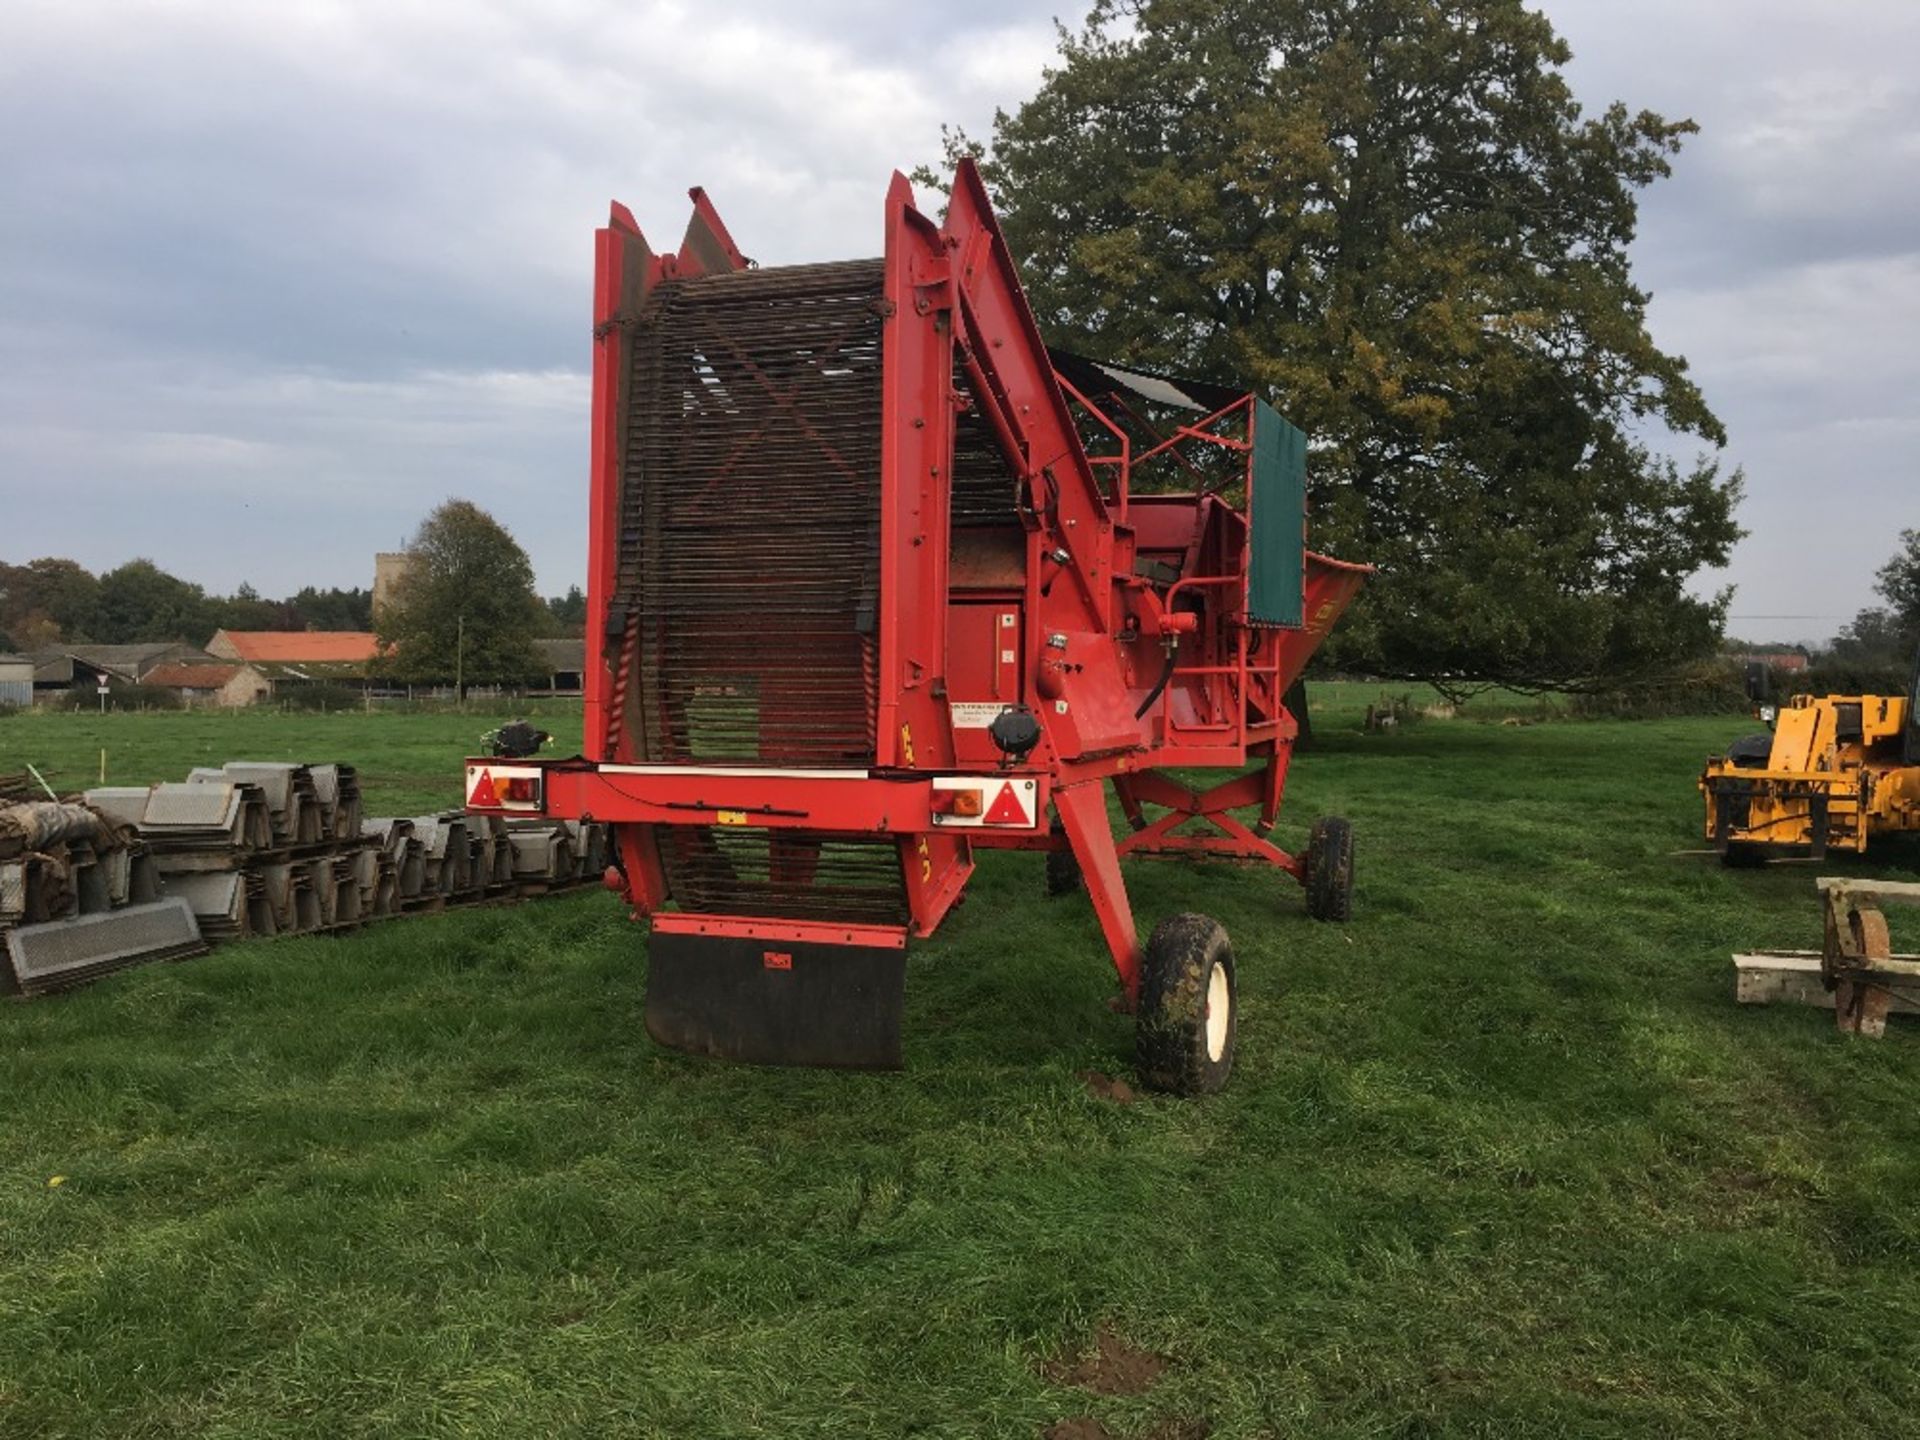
column 878, row 581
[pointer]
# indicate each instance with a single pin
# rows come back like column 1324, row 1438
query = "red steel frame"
column 1091, row 636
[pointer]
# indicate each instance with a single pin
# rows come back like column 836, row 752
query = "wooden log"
column 1905, row 892
column 1792, row 977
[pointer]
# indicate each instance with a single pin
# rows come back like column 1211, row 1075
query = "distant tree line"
column 54, row 601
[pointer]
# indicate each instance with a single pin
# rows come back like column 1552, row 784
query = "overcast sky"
column 275, row 279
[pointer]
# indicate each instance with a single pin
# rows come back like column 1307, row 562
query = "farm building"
column 296, row 647
column 563, row 663
column 16, row 680
column 302, row 657
column 59, row 668
column 212, row 686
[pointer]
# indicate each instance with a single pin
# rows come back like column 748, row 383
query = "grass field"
column 1501, row 1157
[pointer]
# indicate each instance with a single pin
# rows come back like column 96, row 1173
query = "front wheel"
column 1330, row 870
column 1063, row 873
column 1189, row 1014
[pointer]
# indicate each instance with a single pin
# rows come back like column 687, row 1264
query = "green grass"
column 408, row 762
column 1501, row 1157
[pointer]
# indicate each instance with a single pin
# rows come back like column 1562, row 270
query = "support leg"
column 1129, row 802
column 1273, row 783
column 1083, row 810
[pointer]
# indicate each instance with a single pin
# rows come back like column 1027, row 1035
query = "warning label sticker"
column 975, row 714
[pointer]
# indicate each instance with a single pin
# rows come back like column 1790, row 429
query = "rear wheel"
column 1188, row 1020
column 1330, row 870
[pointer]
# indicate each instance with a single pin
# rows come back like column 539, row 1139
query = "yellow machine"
column 1837, row 770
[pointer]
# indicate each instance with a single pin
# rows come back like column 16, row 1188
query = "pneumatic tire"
column 1188, row 1019
column 1330, row 870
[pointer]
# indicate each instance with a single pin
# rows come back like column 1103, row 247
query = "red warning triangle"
column 483, row 792
column 1006, row 808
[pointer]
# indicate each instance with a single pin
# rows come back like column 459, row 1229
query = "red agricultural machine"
column 877, row 581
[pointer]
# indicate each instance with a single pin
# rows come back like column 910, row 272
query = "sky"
column 275, row 280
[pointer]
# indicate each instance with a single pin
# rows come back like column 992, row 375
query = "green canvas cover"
column 1276, row 576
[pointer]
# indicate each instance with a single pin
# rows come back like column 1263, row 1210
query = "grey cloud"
column 275, row 280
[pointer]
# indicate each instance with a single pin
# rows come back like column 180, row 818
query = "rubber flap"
column 777, row 1002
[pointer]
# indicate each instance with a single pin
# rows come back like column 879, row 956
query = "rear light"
column 979, row 800
column 958, row 802
column 494, row 787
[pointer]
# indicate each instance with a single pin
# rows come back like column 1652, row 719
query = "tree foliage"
column 1393, row 217
column 140, row 601
column 1889, row 634
column 45, row 601
column 567, row 614
column 54, row 600
column 466, row 605
column 332, row 609
column 1899, row 581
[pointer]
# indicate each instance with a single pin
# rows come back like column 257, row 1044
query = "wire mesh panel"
column 750, row 560
column 785, row 873
column 750, row 535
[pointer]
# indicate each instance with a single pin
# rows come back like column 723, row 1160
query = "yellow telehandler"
column 1835, row 771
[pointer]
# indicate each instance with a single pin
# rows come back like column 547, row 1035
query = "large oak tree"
column 466, row 605
column 1393, row 217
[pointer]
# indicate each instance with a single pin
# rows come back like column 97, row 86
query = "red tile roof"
column 297, row 647
column 190, row 677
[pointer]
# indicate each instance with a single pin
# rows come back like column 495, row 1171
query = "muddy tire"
column 1063, row 873
column 1330, row 870
column 1189, row 1012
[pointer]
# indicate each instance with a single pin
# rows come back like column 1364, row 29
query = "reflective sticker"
column 1006, row 808
column 730, row 817
column 483, row 792
column 777, row 959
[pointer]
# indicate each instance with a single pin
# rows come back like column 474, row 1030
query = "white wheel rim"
column 1219, row 1011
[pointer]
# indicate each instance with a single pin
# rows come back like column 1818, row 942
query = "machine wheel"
column 1330, row 869
column 1751, row 752
column 1189, row 1011
column 1063, row 873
